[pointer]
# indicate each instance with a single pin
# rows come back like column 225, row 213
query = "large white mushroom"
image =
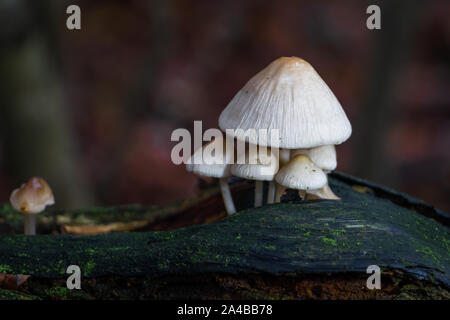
column 288, row 96
column 209, row 167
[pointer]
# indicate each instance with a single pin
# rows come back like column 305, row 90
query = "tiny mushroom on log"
column 288, row 96
column 216, row 167
column 30, row 199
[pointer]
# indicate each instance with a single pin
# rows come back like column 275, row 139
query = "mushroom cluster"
column 288, row 96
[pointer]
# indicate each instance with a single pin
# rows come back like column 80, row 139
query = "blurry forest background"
column 92, row 110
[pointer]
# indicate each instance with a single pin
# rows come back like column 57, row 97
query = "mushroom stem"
column 302, row 194
column 258, row 193
column 280, row 190
column 285, row 155
column 323, row 193
column 226, row 195
column 30, row 224
column 271, row 193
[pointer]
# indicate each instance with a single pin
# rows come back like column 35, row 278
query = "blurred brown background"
column 92, row 110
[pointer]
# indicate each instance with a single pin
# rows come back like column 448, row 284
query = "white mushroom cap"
column 32, row 197
column 207, row 168
column 301, row 174
column 254, row 169
column 290, row 96
column 324, row 156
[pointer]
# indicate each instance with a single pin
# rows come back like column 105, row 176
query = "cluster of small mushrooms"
column 30, row 199
column 288, row 96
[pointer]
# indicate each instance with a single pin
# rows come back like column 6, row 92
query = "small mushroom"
column 254, row 169
column 300, row 174
column 30, row 199
column 216, row 170
column 325, row 158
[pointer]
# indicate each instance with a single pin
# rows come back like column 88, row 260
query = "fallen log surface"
column 294, row 249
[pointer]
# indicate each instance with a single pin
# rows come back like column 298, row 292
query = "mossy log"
column 294, row 249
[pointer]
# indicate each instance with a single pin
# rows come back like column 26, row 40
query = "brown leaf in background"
column 12, row 281
column 104, row 228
